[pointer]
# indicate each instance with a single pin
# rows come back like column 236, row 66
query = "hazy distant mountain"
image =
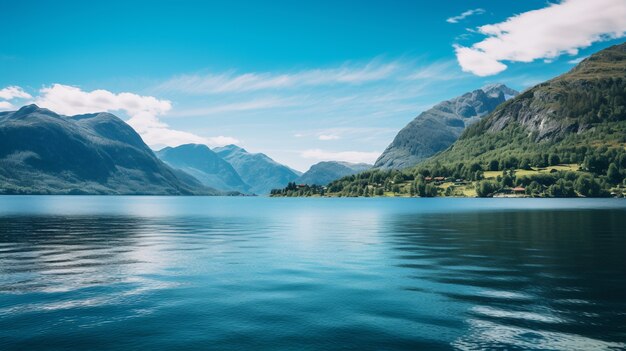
column 46, row 153
column 205, row 165
column 325, row 172
column 260, row 172
column 438, row 128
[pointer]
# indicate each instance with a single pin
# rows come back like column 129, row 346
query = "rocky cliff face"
column 567, row 116
column 436, row 129
column 592, row 92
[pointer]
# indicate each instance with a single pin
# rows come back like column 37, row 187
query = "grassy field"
column 469, row 190
column 524, row 172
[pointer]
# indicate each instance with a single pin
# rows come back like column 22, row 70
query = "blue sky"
column 300, row 81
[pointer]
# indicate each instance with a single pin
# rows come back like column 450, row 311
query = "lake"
column 229, row 273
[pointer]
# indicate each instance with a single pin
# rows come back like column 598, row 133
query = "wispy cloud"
column 250, row 105
column 464, row 15
column 349, row 156
column 547, row 33
column 439, row 70
column 232, row 82
column 326, row 137
column 346, row 74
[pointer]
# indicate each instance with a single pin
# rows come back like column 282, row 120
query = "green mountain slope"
column 580, row 110
column 42, row 152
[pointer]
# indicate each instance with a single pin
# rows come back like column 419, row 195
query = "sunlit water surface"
column 124, row 273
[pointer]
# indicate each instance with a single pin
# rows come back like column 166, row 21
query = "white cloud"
column 144, row 112
column 6, row 106
column 577, row 60
column 464, row 15
column 14, row 92
column 547, row 33
column 71, row 100
column 326, row 137
column 221, row 141
column 348, row 156
column 478, row 62
column 10, row 93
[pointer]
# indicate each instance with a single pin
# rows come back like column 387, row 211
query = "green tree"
column 554, row 160
column 533, row 189
column 431, row 190
column 507, row 181
column 524, row 164
column 561, row 188
column 613, row 174
column 587, row 186
column 486, row 188
column 493, row 165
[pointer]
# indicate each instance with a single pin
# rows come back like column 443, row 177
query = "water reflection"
column 532, row 279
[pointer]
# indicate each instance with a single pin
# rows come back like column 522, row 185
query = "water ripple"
column 267, row 274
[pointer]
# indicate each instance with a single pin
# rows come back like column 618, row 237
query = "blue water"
column 185, row 273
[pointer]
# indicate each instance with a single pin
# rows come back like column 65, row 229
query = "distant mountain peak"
column 493, row 90
column 28, row 108
column 193, row 146
column 231, row 147
column 325, row 172
column 436, row 129
column 204, row 164
column 257, row 169
column 32, row 108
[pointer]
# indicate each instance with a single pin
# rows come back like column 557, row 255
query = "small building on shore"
column 519, row 190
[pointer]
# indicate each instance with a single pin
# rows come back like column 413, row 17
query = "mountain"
column 42, row 152
column 562, row 138
column 323, row 173
column 205, row 165
column 569, row 116
column 438, row 128
column 259, row 171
